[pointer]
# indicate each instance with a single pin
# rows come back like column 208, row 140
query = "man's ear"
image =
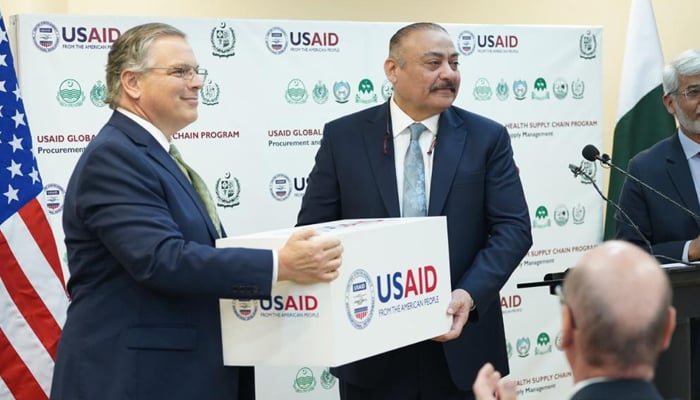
column 390, row 67
column 668, row 102
column 670, row 327
column 568, row 326
column 130, row 84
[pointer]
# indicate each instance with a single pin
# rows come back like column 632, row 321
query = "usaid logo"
column 45, row 36
column 359, row 299
column 54, row 198
column 276, row 40
column 280, row 187
column 466, row 43
column 245, row 310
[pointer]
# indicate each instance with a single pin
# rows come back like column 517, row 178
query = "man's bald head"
column 620, row 302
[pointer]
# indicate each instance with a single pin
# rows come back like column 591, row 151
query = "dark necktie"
column 199, row 186
column 414, row 200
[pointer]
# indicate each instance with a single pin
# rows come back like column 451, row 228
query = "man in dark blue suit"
column 146, row 279
column 671, row 166
column 470, row 177
column 611, row 342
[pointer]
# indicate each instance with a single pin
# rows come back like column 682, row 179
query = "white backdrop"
column 273, row 84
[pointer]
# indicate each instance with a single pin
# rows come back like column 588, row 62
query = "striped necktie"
column 414, row 200
column 199, row 186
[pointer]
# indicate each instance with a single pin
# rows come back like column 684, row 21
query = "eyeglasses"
column 186, row 72
column 690, row 93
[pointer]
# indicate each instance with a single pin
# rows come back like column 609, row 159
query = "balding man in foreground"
column 617, row 318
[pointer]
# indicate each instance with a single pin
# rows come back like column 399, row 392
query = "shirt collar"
column 400, row 120
column 155, row 132
column 690, row 148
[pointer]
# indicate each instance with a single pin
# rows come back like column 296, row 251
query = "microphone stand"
column 605, row 160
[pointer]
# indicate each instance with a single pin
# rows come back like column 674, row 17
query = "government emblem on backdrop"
column 542, row 219
column 210, row 93
column 587, row 45
column 502, row 90
column 482, row 90
column 70, row 94
column 223, row 40
column 97, row 94
column 304, row 381
column 296, row 92
column 228, row 191
column 539, row 89
column 341, row 92
column 327, row 379
column 519, row 89
column 577, row 89
column 544, row 344
column 522, row 346
column 560, row 88
column 366, row 92
column 320, row 93
column 387, row 90
column 561, row 215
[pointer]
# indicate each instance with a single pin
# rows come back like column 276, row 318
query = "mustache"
column 444, row 85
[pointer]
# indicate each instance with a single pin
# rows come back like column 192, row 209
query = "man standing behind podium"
column 671, row 166
column 145, row 278
column 366, row 168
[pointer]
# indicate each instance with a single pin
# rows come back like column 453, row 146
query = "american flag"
column 33, row 298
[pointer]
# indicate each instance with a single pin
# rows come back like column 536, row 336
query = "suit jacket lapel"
column 142, row 138
column 679, row 173
column 448, row 152
column 379, row 146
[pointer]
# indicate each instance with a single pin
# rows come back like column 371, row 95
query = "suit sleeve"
column 641, row 211
column 321, row 201
column 507, row 222
column 147, row 224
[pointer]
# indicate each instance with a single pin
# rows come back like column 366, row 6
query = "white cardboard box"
column 393, row 290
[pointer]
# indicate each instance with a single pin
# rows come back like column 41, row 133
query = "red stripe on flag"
column 35, row 219
column 27, row 300
column 14, row 372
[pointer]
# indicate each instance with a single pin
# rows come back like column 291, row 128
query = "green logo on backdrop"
column 296, row 92
column 320, row 93
column 365, row 93
column 482, row 90
column 304, row 380
column 97, row 94
column 70, row 94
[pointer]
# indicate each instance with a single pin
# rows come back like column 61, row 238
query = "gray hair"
column 130, row 52
column 687, row 64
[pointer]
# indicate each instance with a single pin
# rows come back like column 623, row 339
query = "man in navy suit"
column 146, row 279
column 470, row 177
column 671, row 166
column 611, row 342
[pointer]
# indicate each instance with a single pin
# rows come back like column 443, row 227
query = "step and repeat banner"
column 272, row 85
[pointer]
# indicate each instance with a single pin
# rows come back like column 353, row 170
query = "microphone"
column 591, row 153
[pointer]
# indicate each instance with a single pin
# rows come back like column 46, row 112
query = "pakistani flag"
column 642, row 119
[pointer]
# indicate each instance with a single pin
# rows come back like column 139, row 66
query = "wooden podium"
column 678, row 368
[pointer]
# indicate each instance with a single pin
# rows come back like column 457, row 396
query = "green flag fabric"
column 642, row 119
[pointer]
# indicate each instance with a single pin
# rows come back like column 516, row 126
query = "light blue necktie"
column 199, row 186
column 414, row 201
